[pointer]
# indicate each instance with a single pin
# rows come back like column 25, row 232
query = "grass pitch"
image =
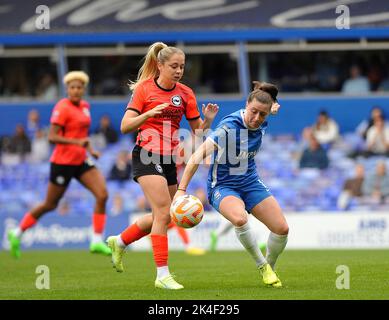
column 215, row 276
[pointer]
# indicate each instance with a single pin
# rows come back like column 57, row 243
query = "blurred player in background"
column 70, row 123
column 156, row 108
column 234, row 185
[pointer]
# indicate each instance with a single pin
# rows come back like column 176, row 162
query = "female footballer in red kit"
column 69, row 126
column 156, row 108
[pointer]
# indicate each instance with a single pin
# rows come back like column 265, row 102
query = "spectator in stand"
column 384, row 85
column 364, row 148
column 365, row 125
column 107, row 130
column 40, row 147
column 325, row 130
column 352, row 188
column 374, row 74
column 20, row 143
column 33, row 123
column 314, row 156
column 117, row 207
column 376, row 185
column 377, row 138
column 121, row 170
column 15, row 148
column 356, row 84
column 47, row 88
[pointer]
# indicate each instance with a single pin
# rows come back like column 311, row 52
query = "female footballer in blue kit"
column 234, row 185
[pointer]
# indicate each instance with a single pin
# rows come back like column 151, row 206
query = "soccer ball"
column 187, row 211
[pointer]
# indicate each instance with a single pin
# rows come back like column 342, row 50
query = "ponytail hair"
column 157, row 52
column 270, row 88
column 263, row 92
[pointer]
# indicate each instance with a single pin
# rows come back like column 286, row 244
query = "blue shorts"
column 251, row 195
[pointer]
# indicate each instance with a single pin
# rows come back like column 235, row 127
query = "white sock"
column 119, row 242
column 223, row 228
column 18, row 232
column 247, row 238
column 162, row 272
column 275, row 245
column 97, row 237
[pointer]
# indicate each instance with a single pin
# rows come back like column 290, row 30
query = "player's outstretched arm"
column 205, row 149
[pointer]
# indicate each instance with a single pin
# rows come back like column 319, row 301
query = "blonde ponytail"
column 157, row 52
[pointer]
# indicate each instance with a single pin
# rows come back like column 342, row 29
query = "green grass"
column 215, row 276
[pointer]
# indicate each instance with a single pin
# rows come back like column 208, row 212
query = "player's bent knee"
column 162, row 216
column 282, row 229
column 102, row 196
column 239, row 221
column 163, row 220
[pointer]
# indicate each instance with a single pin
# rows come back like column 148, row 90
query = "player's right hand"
column 274, row 108
column 84, row 142
column 95, row 154
column 179, row 193
column 157, row 110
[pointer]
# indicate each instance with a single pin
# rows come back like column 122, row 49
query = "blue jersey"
column 233, row 162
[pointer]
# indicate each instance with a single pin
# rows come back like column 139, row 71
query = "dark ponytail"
column 264, row 93
column 270, row 88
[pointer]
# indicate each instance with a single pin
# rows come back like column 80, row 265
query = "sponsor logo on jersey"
column 246, row 155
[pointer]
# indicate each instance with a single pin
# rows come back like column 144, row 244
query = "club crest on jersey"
column 86, row 112
column 177, row 101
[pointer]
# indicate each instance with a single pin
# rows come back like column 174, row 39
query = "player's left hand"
column 210, row 111
column 274, row 108
column 95, row 154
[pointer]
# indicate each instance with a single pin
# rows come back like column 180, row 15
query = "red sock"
column 132, row 233
column 160, row 249
column 99, row 222
column 27, row 222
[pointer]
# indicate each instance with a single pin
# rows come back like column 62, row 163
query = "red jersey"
column 75, row 122
column 158, row 134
